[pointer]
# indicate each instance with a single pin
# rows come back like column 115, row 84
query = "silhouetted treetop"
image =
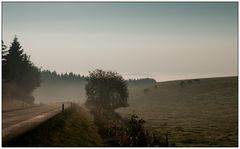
column 48, row 76
column 143, row 81
column 14, row 59
column 106, row 89
column 54, row 77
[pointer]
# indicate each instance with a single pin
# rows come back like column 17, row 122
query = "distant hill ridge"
column 224, row 77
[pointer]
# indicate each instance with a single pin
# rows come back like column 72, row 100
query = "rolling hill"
column 200, row 112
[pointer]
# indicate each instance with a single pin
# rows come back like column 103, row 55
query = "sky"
column 165, row 41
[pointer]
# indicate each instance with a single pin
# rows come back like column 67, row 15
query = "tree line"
column 48, row 76
column 143, row 81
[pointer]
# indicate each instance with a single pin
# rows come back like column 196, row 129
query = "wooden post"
column 167, row 140
column 62, row 107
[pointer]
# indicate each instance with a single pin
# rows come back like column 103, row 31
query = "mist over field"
column 120, row 74
column 48, row 93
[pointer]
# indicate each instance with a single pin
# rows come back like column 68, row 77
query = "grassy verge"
column 11, row 105
column 72, row 128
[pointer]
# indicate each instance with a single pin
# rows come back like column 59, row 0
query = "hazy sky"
column 162, row 40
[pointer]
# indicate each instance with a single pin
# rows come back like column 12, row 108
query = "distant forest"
column 48, row 76
column 54, row 77
column 143, row 81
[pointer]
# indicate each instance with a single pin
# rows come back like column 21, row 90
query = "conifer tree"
column 20, row 72
column 13, row 61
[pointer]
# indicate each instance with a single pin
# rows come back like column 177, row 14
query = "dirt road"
column 17, row 122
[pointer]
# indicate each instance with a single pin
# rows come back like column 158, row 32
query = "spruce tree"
column 13, row 62
column 21, row 73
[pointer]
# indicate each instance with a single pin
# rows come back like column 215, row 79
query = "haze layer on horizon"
column 172, row 40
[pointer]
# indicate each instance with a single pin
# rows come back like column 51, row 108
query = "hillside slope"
column 199, row 113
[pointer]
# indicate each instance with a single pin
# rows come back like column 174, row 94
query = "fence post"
column 167, row 143
column 62, row 107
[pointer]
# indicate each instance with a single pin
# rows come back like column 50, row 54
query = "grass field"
column 73, row 128
column 198, row 113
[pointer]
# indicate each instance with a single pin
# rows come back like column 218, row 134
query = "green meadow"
column 200, row 112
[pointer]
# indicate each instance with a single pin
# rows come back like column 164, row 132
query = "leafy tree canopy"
column 106, row 89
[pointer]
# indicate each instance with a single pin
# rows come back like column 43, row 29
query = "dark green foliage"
column 130, row 132
column 144, row 81
column 59, row 87
column 197, row 80
column 30, row 78
column 137, row 135
column 4, row 52
column 136, row 131
column 189, row 81
column 53, row 77
column 106, row 89
column 14, row 60
column 19, row 72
